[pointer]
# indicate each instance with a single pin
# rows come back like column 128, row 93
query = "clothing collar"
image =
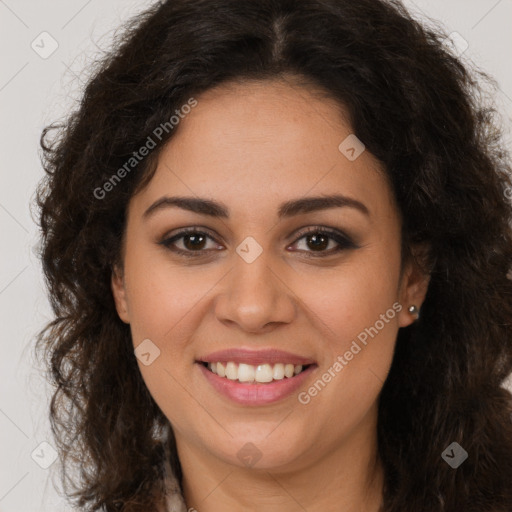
column 174, row 500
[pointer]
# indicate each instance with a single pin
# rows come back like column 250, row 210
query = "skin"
column 252, row 146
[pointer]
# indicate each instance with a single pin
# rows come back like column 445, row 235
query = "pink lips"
column 256, row 393
column 241, row 355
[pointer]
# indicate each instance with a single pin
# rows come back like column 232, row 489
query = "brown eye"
column 318, row 240
column 193, row 242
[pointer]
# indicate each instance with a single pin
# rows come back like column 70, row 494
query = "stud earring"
column 414, row 311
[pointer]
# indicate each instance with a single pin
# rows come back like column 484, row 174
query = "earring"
column 414, row 311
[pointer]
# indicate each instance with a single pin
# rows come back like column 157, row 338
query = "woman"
column 276, row 236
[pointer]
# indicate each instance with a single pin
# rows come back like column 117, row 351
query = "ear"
column 119, row 292
column 413, row 287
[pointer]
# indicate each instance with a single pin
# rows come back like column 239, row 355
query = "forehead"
column 259, row 143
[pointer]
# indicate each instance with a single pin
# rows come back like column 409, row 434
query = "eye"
column 194, row 242
column 192, row 239
column 318, row 239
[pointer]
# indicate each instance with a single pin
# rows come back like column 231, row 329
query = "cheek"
column 165, row 304
column 356, row 311
column 161, row 294
column 356, row 314
column 350, row 298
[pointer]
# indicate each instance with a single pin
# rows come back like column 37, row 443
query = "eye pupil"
column 318, row 241
column 194, row 238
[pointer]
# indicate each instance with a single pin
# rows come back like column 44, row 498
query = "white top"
column 175, row 501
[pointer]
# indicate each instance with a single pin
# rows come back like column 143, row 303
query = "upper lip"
column 255, row 357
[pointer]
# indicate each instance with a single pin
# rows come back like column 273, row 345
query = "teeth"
column 231, row 371
column 262, row 373
column 278, row 372
column 246, row 373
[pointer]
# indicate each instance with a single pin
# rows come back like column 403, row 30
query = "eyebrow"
column 286, row 209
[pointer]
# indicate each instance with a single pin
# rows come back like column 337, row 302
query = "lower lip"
column 254, row 393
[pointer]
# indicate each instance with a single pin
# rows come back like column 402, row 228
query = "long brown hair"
column 419, row 110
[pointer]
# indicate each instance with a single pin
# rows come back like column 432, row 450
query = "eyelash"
column 343, row 241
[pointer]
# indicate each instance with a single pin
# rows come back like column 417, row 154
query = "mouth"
column 255, row 378
column 265, row 373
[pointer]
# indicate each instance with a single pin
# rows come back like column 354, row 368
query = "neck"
column 348, row 476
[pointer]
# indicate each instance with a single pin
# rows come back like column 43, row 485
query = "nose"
column 256, row 296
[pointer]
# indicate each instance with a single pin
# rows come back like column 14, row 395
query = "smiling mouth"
column 254, row 374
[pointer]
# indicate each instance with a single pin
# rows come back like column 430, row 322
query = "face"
column 266, row 279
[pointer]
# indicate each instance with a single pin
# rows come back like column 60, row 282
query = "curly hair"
column 419, row 109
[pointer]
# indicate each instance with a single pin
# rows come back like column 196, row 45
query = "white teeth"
column 262, row 373
column 278, row 371
column 246, row 373
column 231, row 371
column 288, row 370
column 221, row 370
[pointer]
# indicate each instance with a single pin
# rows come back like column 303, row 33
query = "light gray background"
column 36, row 91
